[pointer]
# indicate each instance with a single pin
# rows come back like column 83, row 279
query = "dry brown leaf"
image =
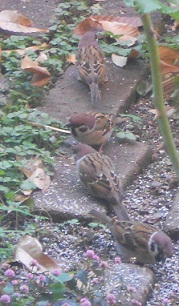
column 15, row 17
column 168, row 57
column 97, row 22
column 24, row 51
column 21, row 197
column 71, row 58
column 29, row 249
column 175, row 26
column 41, row 75
column 128, row 32
column 10, row 28
column 34, row 171
column 169, row 62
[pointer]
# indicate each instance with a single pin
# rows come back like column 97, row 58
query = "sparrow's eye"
column 83, row 128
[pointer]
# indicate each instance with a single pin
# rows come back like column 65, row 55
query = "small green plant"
column 85, row 286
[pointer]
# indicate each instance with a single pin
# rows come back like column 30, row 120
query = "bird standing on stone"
column 97, row 174
column 91, row 128
column 90, row 63
column 141, row 241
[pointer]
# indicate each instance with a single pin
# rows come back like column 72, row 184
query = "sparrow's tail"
column 99, row 215
column 95, row 93
column 120, row 212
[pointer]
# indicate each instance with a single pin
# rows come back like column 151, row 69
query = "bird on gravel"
column 144, row 242
column 91, row 64
column 91, row 128
column 98, row 176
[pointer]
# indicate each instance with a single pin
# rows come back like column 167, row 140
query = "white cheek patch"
column 153, row 247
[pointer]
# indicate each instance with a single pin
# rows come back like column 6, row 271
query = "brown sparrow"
column 141, row 241
column 91, row 128
column 97, row 174
column 90, row 63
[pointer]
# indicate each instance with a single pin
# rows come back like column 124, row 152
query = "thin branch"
column 158, row 93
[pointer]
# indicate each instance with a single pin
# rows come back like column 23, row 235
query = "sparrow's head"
column 81, row 123
column 160, row 246
column 81, row 150
column 88, row 39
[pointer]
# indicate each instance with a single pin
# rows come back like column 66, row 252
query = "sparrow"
column 144, row 242
column 98, row 176
column 91, row 128
column 90, row 64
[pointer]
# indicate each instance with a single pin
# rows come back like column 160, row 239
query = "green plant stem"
column 158, row 93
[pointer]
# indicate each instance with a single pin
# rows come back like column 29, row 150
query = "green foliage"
column 145, row 7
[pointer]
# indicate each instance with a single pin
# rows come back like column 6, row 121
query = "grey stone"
column 171, row 224
column 130, row 283
column 66, row 198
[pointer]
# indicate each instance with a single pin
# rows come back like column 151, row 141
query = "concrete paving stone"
column 71, row 95
column 139, row 279
column 66, row 198
column 171, row 224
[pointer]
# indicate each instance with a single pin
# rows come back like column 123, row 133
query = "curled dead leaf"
column 10, row 28
column 29, row 249
column 34, row 171
column 43, row 46
column 15, row 17
column 41, row 75
column 117, row 25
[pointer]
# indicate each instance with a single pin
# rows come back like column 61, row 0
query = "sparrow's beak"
column 68, row 125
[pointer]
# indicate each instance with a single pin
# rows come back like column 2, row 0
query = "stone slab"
column 66, row 198
column 172, row 221
column 71, row 95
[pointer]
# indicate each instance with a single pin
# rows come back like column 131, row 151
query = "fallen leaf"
column 35, row 173
column 169, row 62
column 10, row 28
column 118, row 60
column 169, row 59
column 29, row 249
column 14, row 17
column 127, row 26
column 127, row 32
column 71, row 58
column 41, row 75
column 43, row 46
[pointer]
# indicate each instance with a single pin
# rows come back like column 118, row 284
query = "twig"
column 48, row 126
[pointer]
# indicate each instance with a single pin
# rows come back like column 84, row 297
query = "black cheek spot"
column 83, row 129
column 152, row 246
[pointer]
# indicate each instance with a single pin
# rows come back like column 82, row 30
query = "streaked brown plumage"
column 140, row 240
column 90, row 63
column 97, row 174
column 91, row 128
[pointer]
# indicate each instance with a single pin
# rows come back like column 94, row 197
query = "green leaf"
column 126, row 135
column 4, row 189
column 82, row 276
column 174, row 12
column 8, row 289
column 28, row 185
column 133, row 117
column 129, row 2
column 95, row 224
column 63, row 277
column 145, row 7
